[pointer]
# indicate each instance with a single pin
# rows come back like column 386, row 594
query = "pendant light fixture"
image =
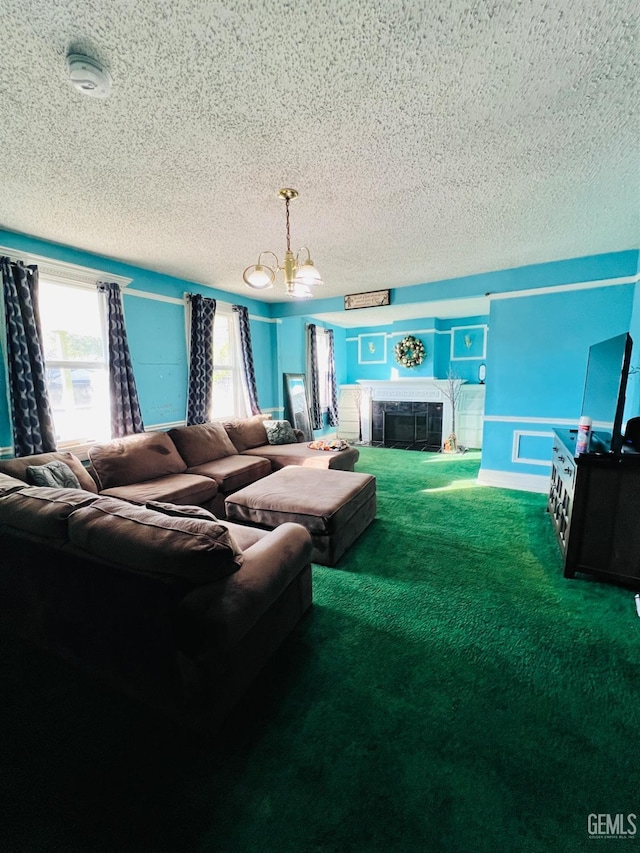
column 299, row 275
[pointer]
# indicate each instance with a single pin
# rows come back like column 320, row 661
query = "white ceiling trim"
column 562, row 288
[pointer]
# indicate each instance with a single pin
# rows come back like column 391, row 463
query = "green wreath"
column 410, row 351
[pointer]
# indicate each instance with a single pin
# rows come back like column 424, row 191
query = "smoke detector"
column 88, row 77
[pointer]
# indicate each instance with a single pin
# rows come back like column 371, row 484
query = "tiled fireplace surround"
column 406, row 390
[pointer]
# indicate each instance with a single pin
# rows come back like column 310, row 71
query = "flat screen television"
column 605, row 388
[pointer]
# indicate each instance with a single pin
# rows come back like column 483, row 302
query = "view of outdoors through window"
column 76, row 362
column 227, row 392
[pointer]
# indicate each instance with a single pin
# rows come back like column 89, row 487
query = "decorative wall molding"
column 510, row 480
column 383, row 344
column 264, row 319
column 61, row 272
column 515, row 451
column 513, row 419
column 406, row 332
column 157, row 297
column 482, row 356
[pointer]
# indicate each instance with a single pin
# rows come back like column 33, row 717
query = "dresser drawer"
column 565, row 466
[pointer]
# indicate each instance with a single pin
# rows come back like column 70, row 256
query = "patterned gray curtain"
column 331, row 377
column 31, row 418
column 126, row 418
column 247, row 357
column 312, row 376
column 200, row 359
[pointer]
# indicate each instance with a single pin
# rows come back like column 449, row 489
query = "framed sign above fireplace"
column 373, row 299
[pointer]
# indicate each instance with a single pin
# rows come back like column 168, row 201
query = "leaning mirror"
column 296, row 404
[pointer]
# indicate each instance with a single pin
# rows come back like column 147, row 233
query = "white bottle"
column 584, row 430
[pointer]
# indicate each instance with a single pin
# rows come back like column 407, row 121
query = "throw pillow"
column 247, row 433
column 55, row 475
column 18, row 467
column 280, row 432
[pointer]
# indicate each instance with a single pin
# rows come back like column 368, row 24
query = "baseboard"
column 509, row 480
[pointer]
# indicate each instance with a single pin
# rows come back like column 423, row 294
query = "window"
column 76, row 362
column 229, row 395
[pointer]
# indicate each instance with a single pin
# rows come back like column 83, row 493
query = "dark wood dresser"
column 594, row 505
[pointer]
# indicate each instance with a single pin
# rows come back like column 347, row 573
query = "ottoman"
column 334, row 506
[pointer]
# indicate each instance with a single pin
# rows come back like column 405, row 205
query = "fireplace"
column 411, row 425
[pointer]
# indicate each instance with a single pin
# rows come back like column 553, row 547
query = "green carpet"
column 449, row 691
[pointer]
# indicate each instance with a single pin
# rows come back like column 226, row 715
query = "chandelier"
column 299, row 276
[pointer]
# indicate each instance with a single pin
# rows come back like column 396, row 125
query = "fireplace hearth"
column 409, row 425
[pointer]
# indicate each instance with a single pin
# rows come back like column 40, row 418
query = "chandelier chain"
column 288, row 232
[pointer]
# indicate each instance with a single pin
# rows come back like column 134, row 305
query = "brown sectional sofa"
column 131, row 577
column 163, row 602
column 201, row 464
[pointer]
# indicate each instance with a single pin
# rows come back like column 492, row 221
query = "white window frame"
column 80, row 448
column 236, row 367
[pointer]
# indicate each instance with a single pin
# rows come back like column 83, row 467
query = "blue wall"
column 370, row 349
column 536, row 345
column 536, row 364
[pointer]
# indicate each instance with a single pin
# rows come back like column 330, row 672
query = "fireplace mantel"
column 425, row 390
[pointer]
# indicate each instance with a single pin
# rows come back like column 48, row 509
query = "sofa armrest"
column 216, row 616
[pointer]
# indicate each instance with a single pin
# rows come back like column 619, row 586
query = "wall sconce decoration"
column 482, row 373
column 372, row 346
column 468, row 340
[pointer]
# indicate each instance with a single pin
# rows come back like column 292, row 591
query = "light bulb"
column 259, row 277
column 307, row 274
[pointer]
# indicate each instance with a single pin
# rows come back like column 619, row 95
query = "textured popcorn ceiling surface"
column 427, row 140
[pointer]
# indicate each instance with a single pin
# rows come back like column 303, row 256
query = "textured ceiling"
column 427, row 140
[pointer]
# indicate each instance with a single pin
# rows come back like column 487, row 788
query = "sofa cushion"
column 202, row 443
column 144, row 540
column 174, row 488
column 134, row 459
column 55, row 475
column 233, row 472
column 18, row 467
column 247, row 432
column 280, row 432
column 10, row 484
column 42, row 511
column 280, row 455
